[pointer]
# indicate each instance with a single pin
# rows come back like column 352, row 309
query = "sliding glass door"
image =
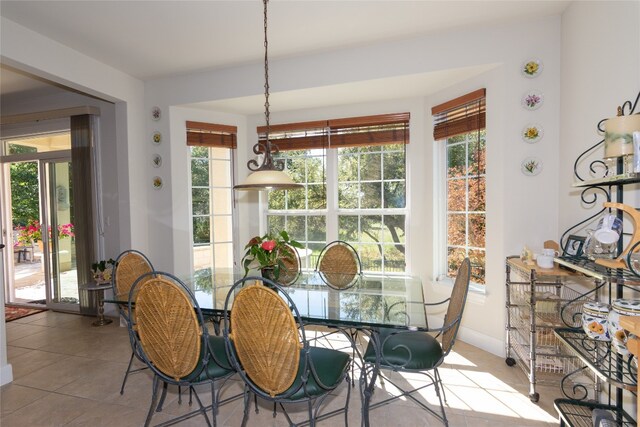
column 38, row 212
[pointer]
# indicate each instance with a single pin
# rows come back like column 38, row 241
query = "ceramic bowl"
column 595, row 320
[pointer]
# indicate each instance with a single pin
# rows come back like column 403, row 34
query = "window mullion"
column 332, row 194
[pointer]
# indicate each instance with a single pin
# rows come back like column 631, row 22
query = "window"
column 354, row 176
column 211, row 162
column 459, row 127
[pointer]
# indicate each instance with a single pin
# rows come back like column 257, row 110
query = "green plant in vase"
column 103, row 270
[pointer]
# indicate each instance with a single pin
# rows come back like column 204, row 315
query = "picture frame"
column 574, row 246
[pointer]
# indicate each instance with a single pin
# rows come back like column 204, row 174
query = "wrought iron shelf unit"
column 622, row 179
column 610, row 283
column 579, row 413
column 589, row 268
column 597, row 355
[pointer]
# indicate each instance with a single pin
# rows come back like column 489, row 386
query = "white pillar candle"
column 618, row 135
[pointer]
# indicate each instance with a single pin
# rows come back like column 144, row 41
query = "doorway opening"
column 38, row 220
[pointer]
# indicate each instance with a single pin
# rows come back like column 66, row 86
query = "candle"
column 618, row 135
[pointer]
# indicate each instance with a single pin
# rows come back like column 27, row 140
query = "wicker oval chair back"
column 291, row 270
column 169, row 331
column 456, row 305
column 129, row 266
column 339, row 265
column 265, row 336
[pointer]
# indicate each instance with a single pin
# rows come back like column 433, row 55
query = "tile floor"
column 68, row 373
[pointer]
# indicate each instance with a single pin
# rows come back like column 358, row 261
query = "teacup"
column 550, row 252
column 544, row 261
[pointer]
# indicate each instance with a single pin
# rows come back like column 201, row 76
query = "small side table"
column 98, row 290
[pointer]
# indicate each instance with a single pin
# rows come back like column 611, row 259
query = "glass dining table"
column 372, row 302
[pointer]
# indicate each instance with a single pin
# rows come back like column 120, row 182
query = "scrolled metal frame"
column 589, row 196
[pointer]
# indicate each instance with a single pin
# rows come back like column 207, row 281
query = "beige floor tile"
column 29, row 361
column 14, row 397
column 59, row 374
column 52, row 410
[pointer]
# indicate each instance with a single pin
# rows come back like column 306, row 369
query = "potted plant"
column 266, row 253
column 103, row 270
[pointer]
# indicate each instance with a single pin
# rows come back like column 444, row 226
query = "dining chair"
column 339, row 265
column 418, row 352
column 291, row 267
column 129, row 266
column 173, row 341
column 267, row 346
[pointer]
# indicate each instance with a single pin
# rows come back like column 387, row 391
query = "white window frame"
column 440, row 222
column 332, row 212
column 233, row 214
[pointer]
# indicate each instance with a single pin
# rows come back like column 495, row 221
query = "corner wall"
column 600, row 71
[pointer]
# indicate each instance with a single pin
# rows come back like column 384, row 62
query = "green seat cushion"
column 416, row 351
column 218, row 365
column 330, row 367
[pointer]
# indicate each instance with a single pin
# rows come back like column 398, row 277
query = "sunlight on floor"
column 478, row 391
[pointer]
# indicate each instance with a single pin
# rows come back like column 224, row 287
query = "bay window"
column 354, row 176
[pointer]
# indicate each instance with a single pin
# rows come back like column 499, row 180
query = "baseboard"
column 6, row 374
column 482, row 341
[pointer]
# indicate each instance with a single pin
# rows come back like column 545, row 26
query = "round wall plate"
column 531, row 166
column 532, row 100
column 532, row 133
column 157, row 182
column 531, row 68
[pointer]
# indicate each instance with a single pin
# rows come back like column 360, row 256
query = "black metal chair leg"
column 126, row 374
column 164, row 395
column 154, row 398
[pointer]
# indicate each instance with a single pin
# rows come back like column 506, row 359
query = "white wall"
column 600, row 71
column 27, row 50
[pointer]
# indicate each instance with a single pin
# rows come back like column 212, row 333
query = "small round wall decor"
column 156, row 138
column 156, row 113
column 156, row 160
column 532, row 133
column 531, row 68
column 157, row 182
column 531, row 166
column 532, row 100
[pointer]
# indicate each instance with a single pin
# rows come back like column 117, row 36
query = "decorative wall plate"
column 156, row 113
column 156, row 160
column 157, row 182
column 531, row 68
column 156, row 138
column 532, row 100
column 531, row 166
column 532, row 133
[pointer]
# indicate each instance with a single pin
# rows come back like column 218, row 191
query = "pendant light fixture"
column 270, row 174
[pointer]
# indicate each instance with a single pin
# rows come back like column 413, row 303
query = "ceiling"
column 153, row 39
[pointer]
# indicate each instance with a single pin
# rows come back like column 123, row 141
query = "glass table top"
column 372, row 301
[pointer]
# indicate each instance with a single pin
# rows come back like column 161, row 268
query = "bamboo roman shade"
column 339, row 133
column 211, row 135
column 464, row 114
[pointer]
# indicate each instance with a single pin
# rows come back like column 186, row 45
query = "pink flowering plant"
column 269, row 251
column 31, row 233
